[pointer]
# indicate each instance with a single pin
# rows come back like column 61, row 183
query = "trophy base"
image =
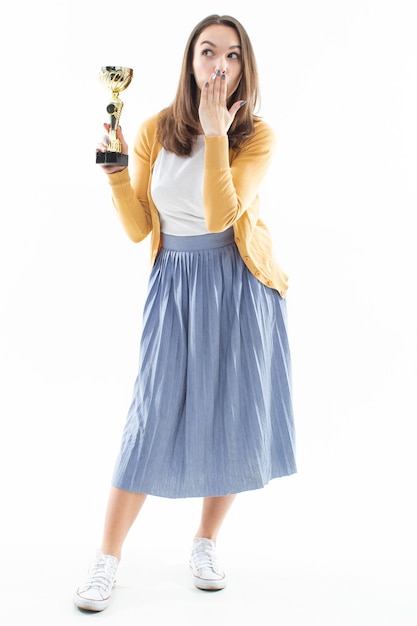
column 112, row 158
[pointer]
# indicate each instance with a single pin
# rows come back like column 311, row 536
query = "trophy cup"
column 116, row 79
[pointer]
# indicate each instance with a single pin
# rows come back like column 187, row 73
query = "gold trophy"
column 116, row 79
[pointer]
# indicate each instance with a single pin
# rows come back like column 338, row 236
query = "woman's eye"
column 234, row 55
column 207, row 53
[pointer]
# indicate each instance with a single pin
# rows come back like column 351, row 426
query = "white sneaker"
column 207, row 574
column 94, row 593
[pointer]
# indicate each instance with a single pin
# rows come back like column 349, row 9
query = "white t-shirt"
column 177, row 191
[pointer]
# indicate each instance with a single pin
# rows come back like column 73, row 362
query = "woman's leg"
column 207, row 574
column 213, row 513
column 122, row 509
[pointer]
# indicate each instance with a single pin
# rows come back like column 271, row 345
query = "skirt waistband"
column 193, row 243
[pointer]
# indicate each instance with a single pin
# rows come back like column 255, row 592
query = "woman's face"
column 218, row 48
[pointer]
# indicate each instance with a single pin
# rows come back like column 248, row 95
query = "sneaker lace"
column 204, row 556
column 100, row 575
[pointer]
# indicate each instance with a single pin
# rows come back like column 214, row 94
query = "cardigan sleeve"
column 130, row 194
column 231, row 185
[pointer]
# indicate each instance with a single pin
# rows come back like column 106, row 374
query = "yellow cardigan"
column 230, row 196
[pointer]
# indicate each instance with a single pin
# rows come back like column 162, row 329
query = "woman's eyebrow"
column 213, row 45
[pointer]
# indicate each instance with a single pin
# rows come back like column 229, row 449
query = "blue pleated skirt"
column 211, row 412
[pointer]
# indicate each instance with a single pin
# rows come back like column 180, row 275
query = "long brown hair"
column 179, row 123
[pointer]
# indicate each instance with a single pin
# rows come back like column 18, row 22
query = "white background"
column 334, row 544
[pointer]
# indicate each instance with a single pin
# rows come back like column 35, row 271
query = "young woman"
column 211, row 414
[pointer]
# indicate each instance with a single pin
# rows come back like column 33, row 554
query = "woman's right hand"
column 102, row 147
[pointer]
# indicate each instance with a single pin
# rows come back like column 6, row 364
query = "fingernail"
column 206, row 85
column 218, row 72
column 243, row 103
column 223, row 76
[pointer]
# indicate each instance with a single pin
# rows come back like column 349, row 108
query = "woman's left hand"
column 215, row 117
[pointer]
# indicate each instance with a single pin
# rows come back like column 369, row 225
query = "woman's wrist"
column 114, row 170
